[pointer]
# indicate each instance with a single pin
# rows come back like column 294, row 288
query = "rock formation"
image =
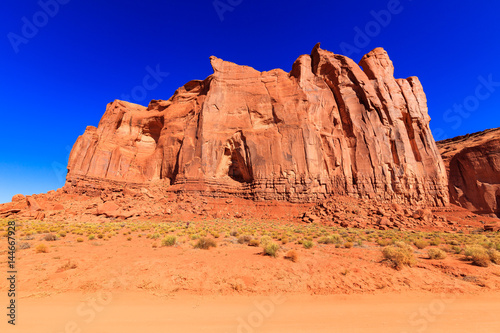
column 327, row 127
column 473, row 164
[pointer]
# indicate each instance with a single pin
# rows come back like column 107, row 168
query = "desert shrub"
column 384, row 242
column 215, row 234
column 325, row 240
column 79, row 239
column 284, row 240
column 62, row 234
column 156, row 235
column 233, row 233
column 348, row 245
column 49, row 237
column 399, row 255
column 292, row 256
column 244, row 239
column 41, row 248
column 169, row 241
column 456, row 249
column 254, row 242
column 205, row 243
column 436, row 253
column 271, row 249
column 421, row 243
column 265, row 239
column 129, row 238
column 436, row 241
column 331, row 239
column 307, row 243
column 100, row 236
column 478, row 254
column 24, row 246
column 66, row 266
column 494, row 256
column 91, row 237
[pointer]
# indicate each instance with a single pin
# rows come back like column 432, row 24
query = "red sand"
column 142, row 312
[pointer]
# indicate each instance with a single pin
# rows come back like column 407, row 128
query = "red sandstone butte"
column 327, row 127
column 473, row 163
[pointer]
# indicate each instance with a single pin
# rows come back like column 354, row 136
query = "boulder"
column 58, row 207
column 108, row 208
column 18, row 197
column 422, row 214
column 33, row 204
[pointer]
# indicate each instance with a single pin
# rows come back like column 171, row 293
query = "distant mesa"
column 327, row 127
column 473, row 164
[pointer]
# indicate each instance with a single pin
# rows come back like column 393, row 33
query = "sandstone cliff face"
column 326, row 127
column 473, row 163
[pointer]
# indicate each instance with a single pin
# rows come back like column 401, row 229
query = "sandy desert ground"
column 141, row 311
column 121, row 276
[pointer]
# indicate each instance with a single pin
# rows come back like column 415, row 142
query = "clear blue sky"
column 59, row 70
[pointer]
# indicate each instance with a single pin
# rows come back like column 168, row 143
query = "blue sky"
column 61, row 64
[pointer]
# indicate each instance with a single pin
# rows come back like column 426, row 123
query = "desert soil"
column 137, row 312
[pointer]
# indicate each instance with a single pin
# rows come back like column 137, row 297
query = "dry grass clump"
column 264, row 240
column 421, row 243
column 24, row 246
column 435, row 253
column 292, row 256
column 307, row 243
column 205, row 243
column 436, row 241
column 41, row 248
column 244, row 239
column 494, row 256
column 271, row 249
column 348, row 245
column 384, row 241
column 331, row 239
column 49, row 237
column 79, row 239
column 478, row 254
column 169, row 241
column 254, row 242
column 399, row 255
column 66, row 266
